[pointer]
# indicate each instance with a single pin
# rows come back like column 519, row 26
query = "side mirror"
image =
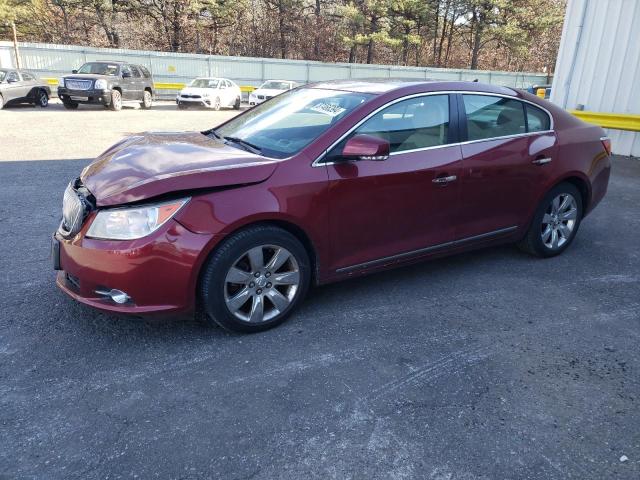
column 74, row 71
column 366, row 147
column 126, row 74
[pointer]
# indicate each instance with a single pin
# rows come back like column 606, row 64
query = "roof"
column 384, row 85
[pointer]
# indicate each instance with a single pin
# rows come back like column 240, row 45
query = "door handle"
column 542, row 161
column 441, row 180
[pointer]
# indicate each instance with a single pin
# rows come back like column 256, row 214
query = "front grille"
column 190, row 96
column 75, row 207
column 78, row 84
column 260, row 97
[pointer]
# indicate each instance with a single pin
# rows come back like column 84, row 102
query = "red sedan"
column 322, row 183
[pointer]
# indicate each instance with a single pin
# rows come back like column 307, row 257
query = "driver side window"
column 411, row 124
column 13, row 77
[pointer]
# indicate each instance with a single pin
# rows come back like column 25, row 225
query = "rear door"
column 507, row 157
column 385, row 211
column 128, row 83
column 137, row 83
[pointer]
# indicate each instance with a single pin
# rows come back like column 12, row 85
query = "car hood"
column 153, row 163
column 268, row 91
column 197, row 90
column 89, row 76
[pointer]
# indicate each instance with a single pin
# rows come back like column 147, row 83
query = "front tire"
column 116, row 101
column 555, row 223
column 255, row 279
column 70, row 105
column 216, row 104
column 1, row 102
column 147, row 100
column 236, row 105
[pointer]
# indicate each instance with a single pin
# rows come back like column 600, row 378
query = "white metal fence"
column 52, row 61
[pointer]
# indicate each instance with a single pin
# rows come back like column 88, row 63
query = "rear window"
column 537, row 119
column 489, row 117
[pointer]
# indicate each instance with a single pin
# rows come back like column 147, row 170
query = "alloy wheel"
column 559, row 221
column 262, row 283
column 43, row 99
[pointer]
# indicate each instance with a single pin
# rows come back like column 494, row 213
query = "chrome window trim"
column 319, row 163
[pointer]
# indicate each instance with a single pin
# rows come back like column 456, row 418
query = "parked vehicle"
column 322, row 183
column 108, row 83
column 211, row 93
column 18, row 86
column 542, row 91
column 270, row 89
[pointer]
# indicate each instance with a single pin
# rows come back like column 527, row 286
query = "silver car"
column 18, row 86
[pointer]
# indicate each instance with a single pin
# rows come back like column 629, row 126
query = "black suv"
column 107, row 83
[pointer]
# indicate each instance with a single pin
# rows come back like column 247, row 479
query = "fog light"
column 118, row 296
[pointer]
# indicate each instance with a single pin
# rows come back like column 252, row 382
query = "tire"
column 70, row 105
column 555, row 223
column 235, row 298
column 1, row 102
column 147, row 100
column 182, row 106
column 116, row 101
column 236, row 105
column 216, row 104
column 42, row 99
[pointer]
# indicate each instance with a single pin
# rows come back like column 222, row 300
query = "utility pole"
column 15, row 45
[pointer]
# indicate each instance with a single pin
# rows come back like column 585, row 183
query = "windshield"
column 205, row 83
column 289, row 122
column 275, row 85
column 99, row 68
column 3, row 73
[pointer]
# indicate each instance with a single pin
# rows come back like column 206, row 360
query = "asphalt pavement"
column 487, row 365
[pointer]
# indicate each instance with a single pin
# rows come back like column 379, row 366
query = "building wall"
column 598, row 65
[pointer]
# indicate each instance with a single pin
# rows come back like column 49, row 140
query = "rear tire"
column 555, row 223
column 42, row 99
column 236, row 105
column 116, row 101
column 70, row 105
column 255, row 279
column 147, row 100
column 1, row 102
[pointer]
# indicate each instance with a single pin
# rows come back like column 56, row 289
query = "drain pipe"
column 574, row 59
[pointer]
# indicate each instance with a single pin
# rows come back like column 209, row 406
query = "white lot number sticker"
column 328, row 109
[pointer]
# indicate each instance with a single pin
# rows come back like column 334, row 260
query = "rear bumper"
column 102, row 97
column 158, row 272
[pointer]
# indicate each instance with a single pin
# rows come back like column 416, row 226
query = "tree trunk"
column 316, row 45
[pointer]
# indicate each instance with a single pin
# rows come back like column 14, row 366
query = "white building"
column 598, row 65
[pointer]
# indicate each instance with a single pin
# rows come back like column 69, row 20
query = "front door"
column 506, row 159
column 401, row 206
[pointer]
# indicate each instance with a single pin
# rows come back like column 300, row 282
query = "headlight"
column 101, row 84
column 132, row 223
column 61, row 83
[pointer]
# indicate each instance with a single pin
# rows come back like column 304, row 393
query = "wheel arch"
column 298, row 232
column 583, row 186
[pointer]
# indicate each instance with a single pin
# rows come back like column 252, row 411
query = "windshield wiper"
column 247, row 145
column 214, row 133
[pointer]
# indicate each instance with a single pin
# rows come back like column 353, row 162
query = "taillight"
column 606, row 143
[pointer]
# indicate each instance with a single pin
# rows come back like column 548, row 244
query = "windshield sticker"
column 328, row 109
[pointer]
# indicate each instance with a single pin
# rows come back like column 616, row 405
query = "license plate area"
column 80, row 99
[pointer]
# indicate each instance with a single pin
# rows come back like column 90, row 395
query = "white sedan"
column 211, row 93
column 270, row 89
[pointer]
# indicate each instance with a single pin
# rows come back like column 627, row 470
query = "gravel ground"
column 487, row 365
column 30, row 133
